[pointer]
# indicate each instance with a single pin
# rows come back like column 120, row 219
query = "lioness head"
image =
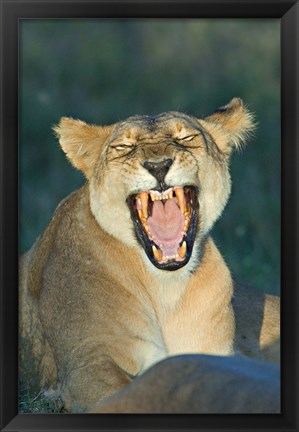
column 158, row 183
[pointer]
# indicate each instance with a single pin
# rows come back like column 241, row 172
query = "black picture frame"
column 11, row 12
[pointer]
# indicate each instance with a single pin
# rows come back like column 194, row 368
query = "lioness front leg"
column 85, row 385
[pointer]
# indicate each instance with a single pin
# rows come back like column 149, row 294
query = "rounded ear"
column 81, row 142
column 230, row 125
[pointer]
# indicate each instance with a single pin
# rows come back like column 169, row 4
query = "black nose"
column 159, row 169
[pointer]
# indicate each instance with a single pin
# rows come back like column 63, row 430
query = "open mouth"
column 166, row 224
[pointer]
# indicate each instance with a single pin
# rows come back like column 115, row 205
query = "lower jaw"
column 170, row 265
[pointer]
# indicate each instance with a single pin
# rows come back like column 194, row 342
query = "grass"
column 38, row 403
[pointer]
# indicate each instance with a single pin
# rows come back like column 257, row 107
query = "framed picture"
column 102, row 62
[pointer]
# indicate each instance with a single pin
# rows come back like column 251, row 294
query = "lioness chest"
column 185, row 319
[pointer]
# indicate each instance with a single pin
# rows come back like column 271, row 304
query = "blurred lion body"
column 98, row 306
column 199, row 384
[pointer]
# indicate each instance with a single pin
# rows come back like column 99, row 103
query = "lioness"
column 126, row 273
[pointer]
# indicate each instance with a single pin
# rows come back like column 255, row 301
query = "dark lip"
column 147, row 243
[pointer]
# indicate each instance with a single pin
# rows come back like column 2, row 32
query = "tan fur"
column 200, row 384
column 94, row 311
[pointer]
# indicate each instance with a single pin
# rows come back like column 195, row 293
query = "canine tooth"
column 157, row 253
column 144, row 201
column 182, row 250
column 181, row 198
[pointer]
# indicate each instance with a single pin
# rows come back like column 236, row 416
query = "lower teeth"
column 181, row 253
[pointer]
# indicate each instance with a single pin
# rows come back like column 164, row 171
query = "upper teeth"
column 143, row 198
column 167, row 194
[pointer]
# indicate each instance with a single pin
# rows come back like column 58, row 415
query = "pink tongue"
column 166, row 225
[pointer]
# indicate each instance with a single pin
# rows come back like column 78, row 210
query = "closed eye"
column 121, row 147
column 188, row 138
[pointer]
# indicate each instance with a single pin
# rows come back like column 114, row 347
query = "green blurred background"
column 102, row 71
